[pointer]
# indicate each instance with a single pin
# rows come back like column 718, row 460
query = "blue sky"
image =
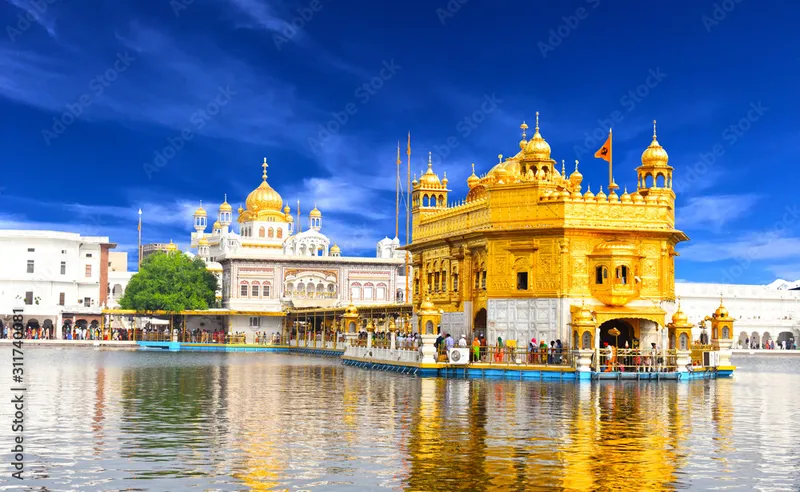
column 92, row 92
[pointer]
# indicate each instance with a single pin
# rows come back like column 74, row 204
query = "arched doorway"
column 48, row 329
column 480, row 322
column 625, row 333
column 786, row 337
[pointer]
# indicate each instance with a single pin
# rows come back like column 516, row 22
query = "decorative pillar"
column 583, row 321
column 392, row 334
column 722, row 334
column 370, row 331
column 680, row 330
column 350, row 324
column 429, row 320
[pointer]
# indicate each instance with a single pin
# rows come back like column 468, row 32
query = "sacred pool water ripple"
column 124, row 420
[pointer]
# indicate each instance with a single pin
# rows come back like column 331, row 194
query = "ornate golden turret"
column 655, row 174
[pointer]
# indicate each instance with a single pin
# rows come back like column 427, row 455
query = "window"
column 31, row 250
column 87, row 301
column 30, row 266
column 280, row 233
column 61, row 299
column 261, row 232
column 63, row 268
column 88, row 255
column 88, row 271
column 265, row 289
column 522, row 280
column 483, row 280
column 255, row 321
column 600, row 274
column 455, row 282
column 444, row 281
column 63, row 251
column 254, row 291
column 243, row 291
column 622, row 274
column 436, row 282
column 29, row 298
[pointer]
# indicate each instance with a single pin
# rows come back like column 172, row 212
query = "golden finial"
column 500, row 157
column 625, row 189
column 201, row 206
column 576, row 165
column 430, row 164
column 473, row 168
column 601, row 188
column 537, row 121
column 226, row 198
column 264, row 175
column 563, row 169
column 654, row 129
column 524, row 127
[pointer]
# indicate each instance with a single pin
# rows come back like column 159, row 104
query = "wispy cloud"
column 713, row 212
column 750, row 248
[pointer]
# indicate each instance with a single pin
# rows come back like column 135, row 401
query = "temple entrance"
column 625, row 333
column 479, row 326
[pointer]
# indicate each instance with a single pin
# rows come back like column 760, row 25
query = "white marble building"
column 57, row 277
column 271, row 263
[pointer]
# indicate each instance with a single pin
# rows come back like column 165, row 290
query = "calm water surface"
column 117, row 420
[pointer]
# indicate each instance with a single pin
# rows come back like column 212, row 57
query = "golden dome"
column 680, row 318
column 289, row 218
column 722, row 311
column 537, row 148
column 217, row 226
column 429, row 179
column 655, row 155
column 637, row 198
column 202, row 242
column 473, row 179
column 172, row 246
column 335, row 249
column 225, row 206
column 576, row 178
column 626, row 198
column 264, row 197
column 588, row 195
column 583, row 315
column 315, row 212
column 427, row 306
column 444, row 179
column 613, row 197
column 524, row 141
column 200, row 212
column 286, row 209
column 601, row 197
column 351, row 311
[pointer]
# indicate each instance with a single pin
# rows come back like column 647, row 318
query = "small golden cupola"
column 429, row 191
column 655, row 173
column 336, row 250
column 429, row 179
column 315, row 219
column 537, row 148
column 225, row 212
column 473, row 179
column 200, row 218
column 171, row 247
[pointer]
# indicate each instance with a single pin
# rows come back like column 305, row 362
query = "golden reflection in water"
column 99, row 406
column 722, row 417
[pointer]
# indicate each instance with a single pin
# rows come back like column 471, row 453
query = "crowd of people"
column 768, row 345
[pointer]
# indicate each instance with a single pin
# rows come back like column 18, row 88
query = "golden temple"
column 528, row 250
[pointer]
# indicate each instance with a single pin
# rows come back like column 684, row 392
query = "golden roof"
column 264, row 197
column 615, row 247
column 203, row 241
column 225, row 206
column 335, row 249
column 172, row 246
column 722, row 311
column 655, row 155
column 680, row 318
column 200, row 212
column 537, row 148
column 583, row 315
column 626, row 198
column 429, row 179
column 315, row 212
column 351, row 311
column 217, row 225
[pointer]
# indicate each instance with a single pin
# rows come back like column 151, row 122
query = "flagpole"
column 408, row 211
column 397, row 195
column 610, row 160
column 139, row 253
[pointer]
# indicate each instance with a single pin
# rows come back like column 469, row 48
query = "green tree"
column 170, row 282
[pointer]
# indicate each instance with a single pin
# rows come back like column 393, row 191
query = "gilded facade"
column 529, row 246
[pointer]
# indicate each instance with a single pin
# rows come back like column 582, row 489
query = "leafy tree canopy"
column 170, row 282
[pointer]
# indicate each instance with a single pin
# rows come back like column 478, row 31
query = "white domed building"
column 271, row 263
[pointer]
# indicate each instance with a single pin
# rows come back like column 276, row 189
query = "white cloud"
column 751, row 248
column 714, row 211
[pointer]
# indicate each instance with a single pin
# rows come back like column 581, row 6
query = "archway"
column 626, row 333
column 48, row 329
column 479, row 326
column 785, row 336
column 744, row 340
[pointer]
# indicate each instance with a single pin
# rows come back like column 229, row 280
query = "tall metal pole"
column 139, row 254
column 408, row 212
column 397, row 195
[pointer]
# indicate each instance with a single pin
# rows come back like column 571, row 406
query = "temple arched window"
column 600, row 274
column 622, row 272
column 261, row 231
column 254, row 289
column 244, row 288
column 271, row 232
column 280, row 233
column 586, row 342
column 683, row 342
column 432, row 203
